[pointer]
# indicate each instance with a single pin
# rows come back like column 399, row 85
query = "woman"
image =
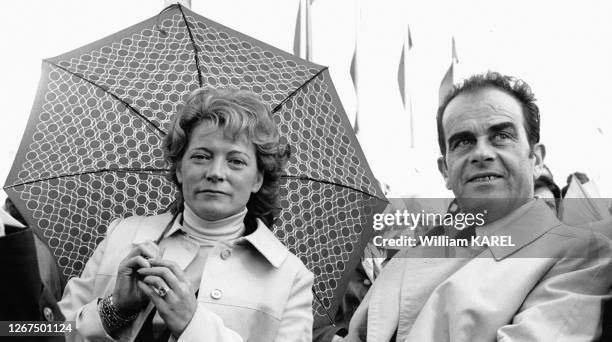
column 217, row 273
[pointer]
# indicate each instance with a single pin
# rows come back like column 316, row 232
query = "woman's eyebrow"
column 198, row 148
column 243, row 153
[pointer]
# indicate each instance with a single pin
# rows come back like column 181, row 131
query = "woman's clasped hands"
column 171, row 292
column 144, row 276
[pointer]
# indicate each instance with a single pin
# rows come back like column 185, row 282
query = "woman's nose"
column 216, row 170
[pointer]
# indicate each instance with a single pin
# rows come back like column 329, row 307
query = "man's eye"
column 462, row 143
column 503, row 135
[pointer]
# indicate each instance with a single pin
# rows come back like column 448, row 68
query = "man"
column 548, row 284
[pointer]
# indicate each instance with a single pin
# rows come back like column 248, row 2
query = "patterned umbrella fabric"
column 92, row 148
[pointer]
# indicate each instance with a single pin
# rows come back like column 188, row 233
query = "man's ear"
column 443, row 170
column 538, row 152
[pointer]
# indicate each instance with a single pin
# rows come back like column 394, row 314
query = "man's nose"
column 216, row 170
column 483, row 152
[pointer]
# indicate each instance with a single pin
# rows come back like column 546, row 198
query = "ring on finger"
column 161, row 291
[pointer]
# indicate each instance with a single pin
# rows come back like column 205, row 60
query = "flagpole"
column 308, row 30
column 302, row 39
column 411, row 123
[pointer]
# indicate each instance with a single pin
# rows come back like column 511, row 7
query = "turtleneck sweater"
column 207, row 233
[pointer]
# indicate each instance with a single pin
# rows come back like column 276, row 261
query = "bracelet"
column 112, row 319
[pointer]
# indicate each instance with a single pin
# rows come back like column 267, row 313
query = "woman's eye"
column 237, row 162
column 200, row 156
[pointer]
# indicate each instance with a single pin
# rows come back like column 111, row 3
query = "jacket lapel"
column 383, row 309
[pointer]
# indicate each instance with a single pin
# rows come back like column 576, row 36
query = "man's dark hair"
column 512, row 86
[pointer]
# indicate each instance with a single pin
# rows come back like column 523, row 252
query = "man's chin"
column 485, row 199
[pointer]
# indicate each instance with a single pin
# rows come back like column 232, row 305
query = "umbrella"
column 91, row 151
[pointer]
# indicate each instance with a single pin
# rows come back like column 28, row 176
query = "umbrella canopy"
column 92, row 148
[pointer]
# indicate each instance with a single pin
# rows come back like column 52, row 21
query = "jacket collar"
column 524, row 228
column 262, row 238
column 7, row 220
column 267, row 244
column 152, row 227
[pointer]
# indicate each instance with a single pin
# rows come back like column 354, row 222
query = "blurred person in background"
column 24, row 296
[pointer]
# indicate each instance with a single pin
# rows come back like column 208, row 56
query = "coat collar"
column 262, row 238
column 524, row 228
column 267, row 244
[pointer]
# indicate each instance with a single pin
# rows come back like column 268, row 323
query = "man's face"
column 488, row 163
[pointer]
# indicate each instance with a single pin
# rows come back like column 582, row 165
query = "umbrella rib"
column 195, row 48
column 127, row 105
column 125, row 169
column 280, row 105
column 324, row 309
column 331, row 183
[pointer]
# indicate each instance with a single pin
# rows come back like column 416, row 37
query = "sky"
column 562, row 49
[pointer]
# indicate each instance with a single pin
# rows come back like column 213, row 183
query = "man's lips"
column 484, row 177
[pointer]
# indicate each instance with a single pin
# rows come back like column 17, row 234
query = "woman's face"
column 217, row 175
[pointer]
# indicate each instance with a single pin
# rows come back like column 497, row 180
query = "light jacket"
column 252, row 289
column 550, row 286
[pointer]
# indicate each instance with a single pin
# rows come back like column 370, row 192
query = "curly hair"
column 514, row 87
column 238, row 113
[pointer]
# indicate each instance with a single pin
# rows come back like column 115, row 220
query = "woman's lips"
column 213, row 192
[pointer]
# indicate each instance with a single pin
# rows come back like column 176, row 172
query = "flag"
column 302, row 39
column 355, row 64
column 402, row 81
column 446, row 86
column 354, row 77
column 401, row 70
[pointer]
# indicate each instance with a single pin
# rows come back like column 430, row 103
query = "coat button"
column 48, row 313
column 225, row 254
column 216, row 294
